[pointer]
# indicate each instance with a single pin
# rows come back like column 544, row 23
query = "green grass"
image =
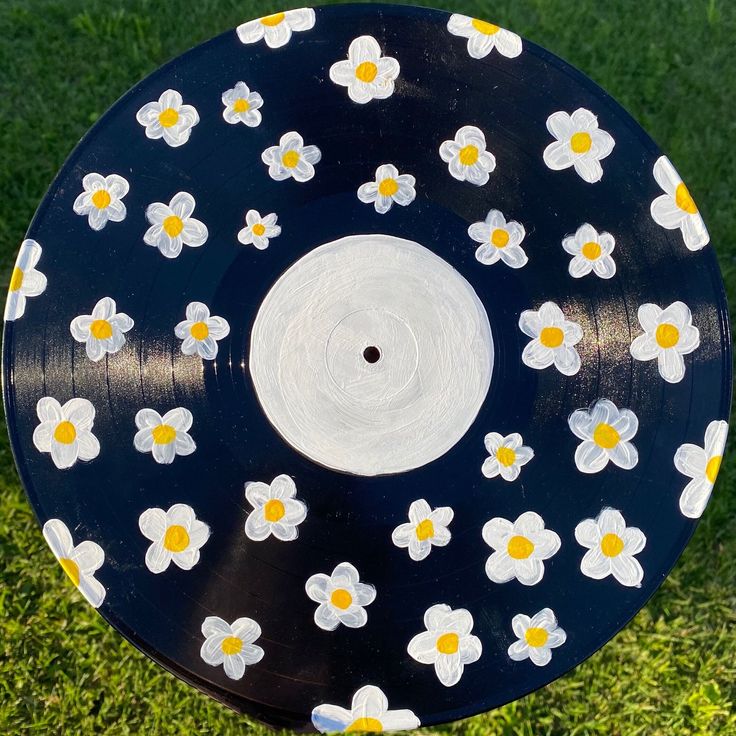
column 672, row 671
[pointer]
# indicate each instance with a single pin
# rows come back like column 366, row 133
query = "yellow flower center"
column 551, row 337
column 536, row 636
column 606, row 436
column 448, row 643
column 65, row 433
column 231, row 645
column 173, row 226
column 341, row 599
column 366, row 71
column 199, row 330
column 258, row 229
column 612, row 545
column 101, row 329
column 667, row 335
column 101, row 199
column 425, row 530
column 482, row 26
column 273, row 510
column 591, row 250
column 241, row 105
column 365, row 724
column 683, row 199
column 506, row 456
column 581, row 142
column 290, row 159
column 500, row 237
column 71, row 569
column 468, row 155
column 712, row 468
column 16, row 280
column 520, row 547
column 176, row 538
column 272, row 20
column 388, row 187
column 168, row 117
column 163, row 434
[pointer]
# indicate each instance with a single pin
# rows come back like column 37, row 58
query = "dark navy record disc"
column 367, row 367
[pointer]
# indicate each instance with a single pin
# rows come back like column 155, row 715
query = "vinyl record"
column 367, row 367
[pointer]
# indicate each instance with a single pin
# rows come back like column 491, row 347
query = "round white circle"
column 371, row 355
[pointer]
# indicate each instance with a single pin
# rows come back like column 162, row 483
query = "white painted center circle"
column 371, row 355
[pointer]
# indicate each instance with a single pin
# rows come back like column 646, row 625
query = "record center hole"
column 372, row 354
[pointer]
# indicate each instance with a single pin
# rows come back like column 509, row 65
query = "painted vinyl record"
column 367, row 367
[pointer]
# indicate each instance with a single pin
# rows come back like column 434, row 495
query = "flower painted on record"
column 447, row 642
column 590, row 251
column 537, row 637
column 553, row 339
column 65, row 432
column 341, row 596
column 231, row 645
column 101, row 200
column 368, row 712
column 668, row 335
column 389, row 187
column 259, row 230
column 25, row 280
column 499, row 240
column 176, row 535
column 427, row 527
column 165, row 436
column 519, row 548
column 103, row 331
column 611, row 548
column 466, row 156
column 276, row 510
column 242, row 106
column 199, row 332
column 701, row 464
column 676, row 208
column 366, row 74
column 172, row 226
column 168, row 118
column 276, row 29
column 579, row 143
column 291, row 158
column 483, row 37
column 506, row 455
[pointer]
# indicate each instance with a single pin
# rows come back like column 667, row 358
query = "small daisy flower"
column 702, row 465
column 168, row 118
column 291, row 158
column 447, row 642
column 606, row 432
column 427, row 527
column 366, row 74
column 176, row 535
column 341, row 597
column 231, row 645
column 79, row 562
column 103, row 331
column 276, row 510
column 506, row 457
column 242, row 106
column 590, row 251
column 676, row 208
column 499, row 240
column 668, row 335
column 580, row 143
column 66, row 431
column 165, row 436
column 538, row 636
column 483, row 37
column 172, row 226
column 611, row 548
column 276, row 29
column 259, row 230
column 199, row 332
column 25, row 281
column 553, row 339
column 388, row 187
column 466, row 156
column 368, row 712
column 101, row 200
column 520, row 548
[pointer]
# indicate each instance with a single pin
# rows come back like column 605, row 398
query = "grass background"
column 671, row 64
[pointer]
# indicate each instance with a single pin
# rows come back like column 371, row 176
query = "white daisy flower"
column 676, row 208
column 231, row 645
column 368, row 712
column 259, row 230
column 590, row 251
column 165, row 436
column 242, row 106
column 553, row 339
column 291, row 158
column 702, row 465
column 447, row 642
column 199, row 332
column 426, row 527
column 168, row 118
column 103, row 331
column 580, row 143
column 276, row 29
column 172, row 226
column 506, row 455
column 520, row 548
column 499, row 240
column 177, row 536
column 25, row 281
column 79, row 562
column 341, row 597
column 611, row 548
column 367, row 75
column 276, row 510
column 66, row 431
column 483, row 37
column 466, row 156
column 606, row 432
column 668, row 335
column 101, row 200
column 538, row 636
column 389, row 187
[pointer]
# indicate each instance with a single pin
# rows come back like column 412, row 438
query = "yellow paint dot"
column 581, row 142
column 683, row 199
column 551, row 337
column 712, row 468
column 176, row 538
column 468, row 155
column 606, row 436
column 448, row 643
column 667, row 335
column 274, row 510
column 65, row 433
column 273, row 20
column 71, row 569
column 101, row 199
column 500, row 237
column 241, row 105
column 231, row 645
column 520, row 547
column 173, row 226
column 259, row 229
column 425, row 530
column 16, row 280
column 506, row 456
column 290, row 159
column 163, row 434
column 365, row 724
column 366, row 71
column 484, row 27
column 612, row 545
column 341, row 599
column 199, row 330
column 536, row 636
column 168, row 117
column 591, row 250
column 388, row 187
column 101, row 329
